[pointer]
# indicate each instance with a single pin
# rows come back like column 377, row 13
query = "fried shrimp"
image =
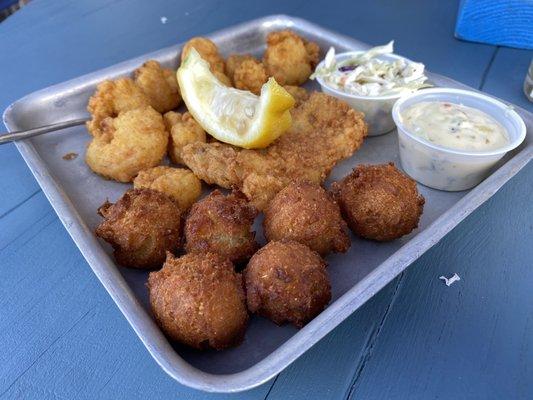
column 379, row 202
column 160, row 86
column 180, row 184
column 306, row 213
column 287, row 282
column 246, row 72
column 289, row 58
column 198, row 300
column 142, row 226
column 123, row 146
column 223, row 78
column 221, row 224
column 207, row 50
column 110, row 99
column 183, row 130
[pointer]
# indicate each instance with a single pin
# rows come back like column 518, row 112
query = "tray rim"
column 338, row 311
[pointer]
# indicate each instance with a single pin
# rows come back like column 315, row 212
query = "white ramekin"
column 377, row 109
column 450, row 169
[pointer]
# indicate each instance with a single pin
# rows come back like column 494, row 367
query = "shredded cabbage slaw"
column 365, row 74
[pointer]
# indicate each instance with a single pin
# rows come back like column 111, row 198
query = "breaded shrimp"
column 183, row 130
column 127, row 144
column 180, row 184
column 159, row 84
column 207, row 50
column 289, row 58
column 223, row 78
column 112, row 98
column 246, row 72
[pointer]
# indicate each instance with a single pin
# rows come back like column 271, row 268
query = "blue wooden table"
column 61, row 336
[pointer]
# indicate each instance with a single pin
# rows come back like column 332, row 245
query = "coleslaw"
column 366, row 74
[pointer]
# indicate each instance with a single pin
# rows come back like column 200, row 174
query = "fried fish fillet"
column 324, row 131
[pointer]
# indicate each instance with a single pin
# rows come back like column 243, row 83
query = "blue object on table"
column 498, row 22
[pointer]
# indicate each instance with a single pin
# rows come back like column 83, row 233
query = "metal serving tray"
column 75, row 193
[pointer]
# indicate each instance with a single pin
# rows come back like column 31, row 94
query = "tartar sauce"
column 454, row 126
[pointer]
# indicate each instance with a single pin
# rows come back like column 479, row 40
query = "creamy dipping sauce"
column 454, row 126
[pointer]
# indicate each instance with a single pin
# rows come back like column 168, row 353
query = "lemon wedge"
column 231, row 115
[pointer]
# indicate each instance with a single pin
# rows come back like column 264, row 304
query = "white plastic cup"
column 377, row 109
column 449, row 169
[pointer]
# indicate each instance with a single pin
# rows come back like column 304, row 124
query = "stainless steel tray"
column 75, row 193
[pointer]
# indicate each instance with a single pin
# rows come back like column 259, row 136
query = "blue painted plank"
column 506, row 76
column 16, row 180
column 328, row 370
column 474, row 339
column 17, row 222
column 506, row 23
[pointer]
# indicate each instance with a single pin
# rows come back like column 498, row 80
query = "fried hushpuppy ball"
column 287, row 282
column 127, row 144
column 180, row 184
column 112, row 98
column 221, row 224
column 141, row 226
column 304, row 212
column 159, row 84
column 246, row 72
column 379, row 202
column 207, row 50
column 289, row 58
column 183, row 130
column 199, row 300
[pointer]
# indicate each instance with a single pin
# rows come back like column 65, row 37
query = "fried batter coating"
column 289, row 58
column 110, row 99
column 223, row 78
column 159, row 84
column 287, row 282
column 180, row 184
column 246, row 72
column 127, row 144
column 299, row 94
column 207, row 50
column 306, row 213
column 379, row 202
column 198, row 300
column 183, row 130
column 221, row 224
column 141, row 226
column 235, row 60
column 324, row 130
